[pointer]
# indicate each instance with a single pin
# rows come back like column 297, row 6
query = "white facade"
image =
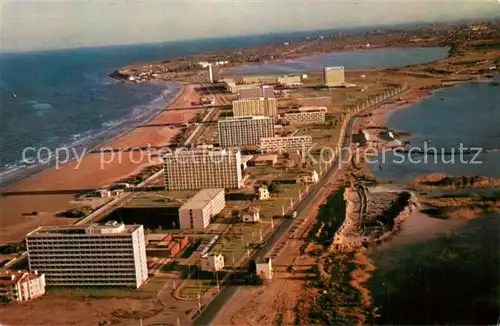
column 315, row 101
column 313, row 108
column 334, row 76
column 307, row 117
column 267, row 107
column 283, row 144
column 287, row 81
column 210, row 73
column 113, row 254
column 313, row 177
column 250, row 216
column 201, row 169
column 197, row 211
column 212, row 262
column 21, row 286
column 265, row 269
column 244, row 130
column 263, row 193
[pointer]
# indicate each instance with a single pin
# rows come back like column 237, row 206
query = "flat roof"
column 266, row 157
column 246, row 158
column 94, row 229
column 249, row 117
column 202, row 198
column 260, row 98
column 200, row 152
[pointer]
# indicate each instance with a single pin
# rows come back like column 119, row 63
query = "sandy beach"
column 40, row 192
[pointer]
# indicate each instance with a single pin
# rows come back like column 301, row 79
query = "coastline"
column 224, row 71
column 51, row 190
column 48, row 166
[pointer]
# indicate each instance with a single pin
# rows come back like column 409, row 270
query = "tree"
column 272, row 187
column 252, row 267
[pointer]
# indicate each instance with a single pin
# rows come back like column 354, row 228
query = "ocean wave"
column 94, row 137
column 42, row 106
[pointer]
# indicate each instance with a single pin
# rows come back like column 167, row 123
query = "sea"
column 65, row 98
column 438, row 271
column 466, row 115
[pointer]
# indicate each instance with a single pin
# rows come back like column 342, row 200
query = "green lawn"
column 147, row 291
column 192, row 287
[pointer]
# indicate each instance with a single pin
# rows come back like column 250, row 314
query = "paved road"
column 227, row 292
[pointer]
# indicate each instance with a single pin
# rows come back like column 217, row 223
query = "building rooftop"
column 202, row 198
column 111, row 227
column 199, row 152
column 9, row 278
column 246, row 158
column 250, row 117
column 251, row 210
column 265, row 158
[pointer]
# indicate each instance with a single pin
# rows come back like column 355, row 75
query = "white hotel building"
column 113, row 254
column 201, row 169
column 238, row 131
column 284, row 144
column 198, row 210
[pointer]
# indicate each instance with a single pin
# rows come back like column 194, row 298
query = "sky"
column 56, row 24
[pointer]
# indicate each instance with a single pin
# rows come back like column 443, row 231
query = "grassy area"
column 147, row 291
column 234, row 244
column 330, row 217
column 338, row 303
column 192, row 287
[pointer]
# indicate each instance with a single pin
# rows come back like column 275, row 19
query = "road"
column 227, row 292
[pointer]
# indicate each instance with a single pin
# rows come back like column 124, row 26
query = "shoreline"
column 40, row 169
column 224, row 70
column 52, row 190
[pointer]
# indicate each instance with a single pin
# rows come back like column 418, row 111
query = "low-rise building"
column 289, row 80
column 230, row 85
column 371, row 135
column 283, row 144
column 264, row 79
column 267, row 159
column 265, row 91
column 103, row 193
column 250, row 215
column 197, row 212
column 267, row 107
column 21, row 286
column 264, row 269
column 212, row 262
column 312, row 177
column 313, row 108
column 315, row 101
column 263, row 193
column 308, row 117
